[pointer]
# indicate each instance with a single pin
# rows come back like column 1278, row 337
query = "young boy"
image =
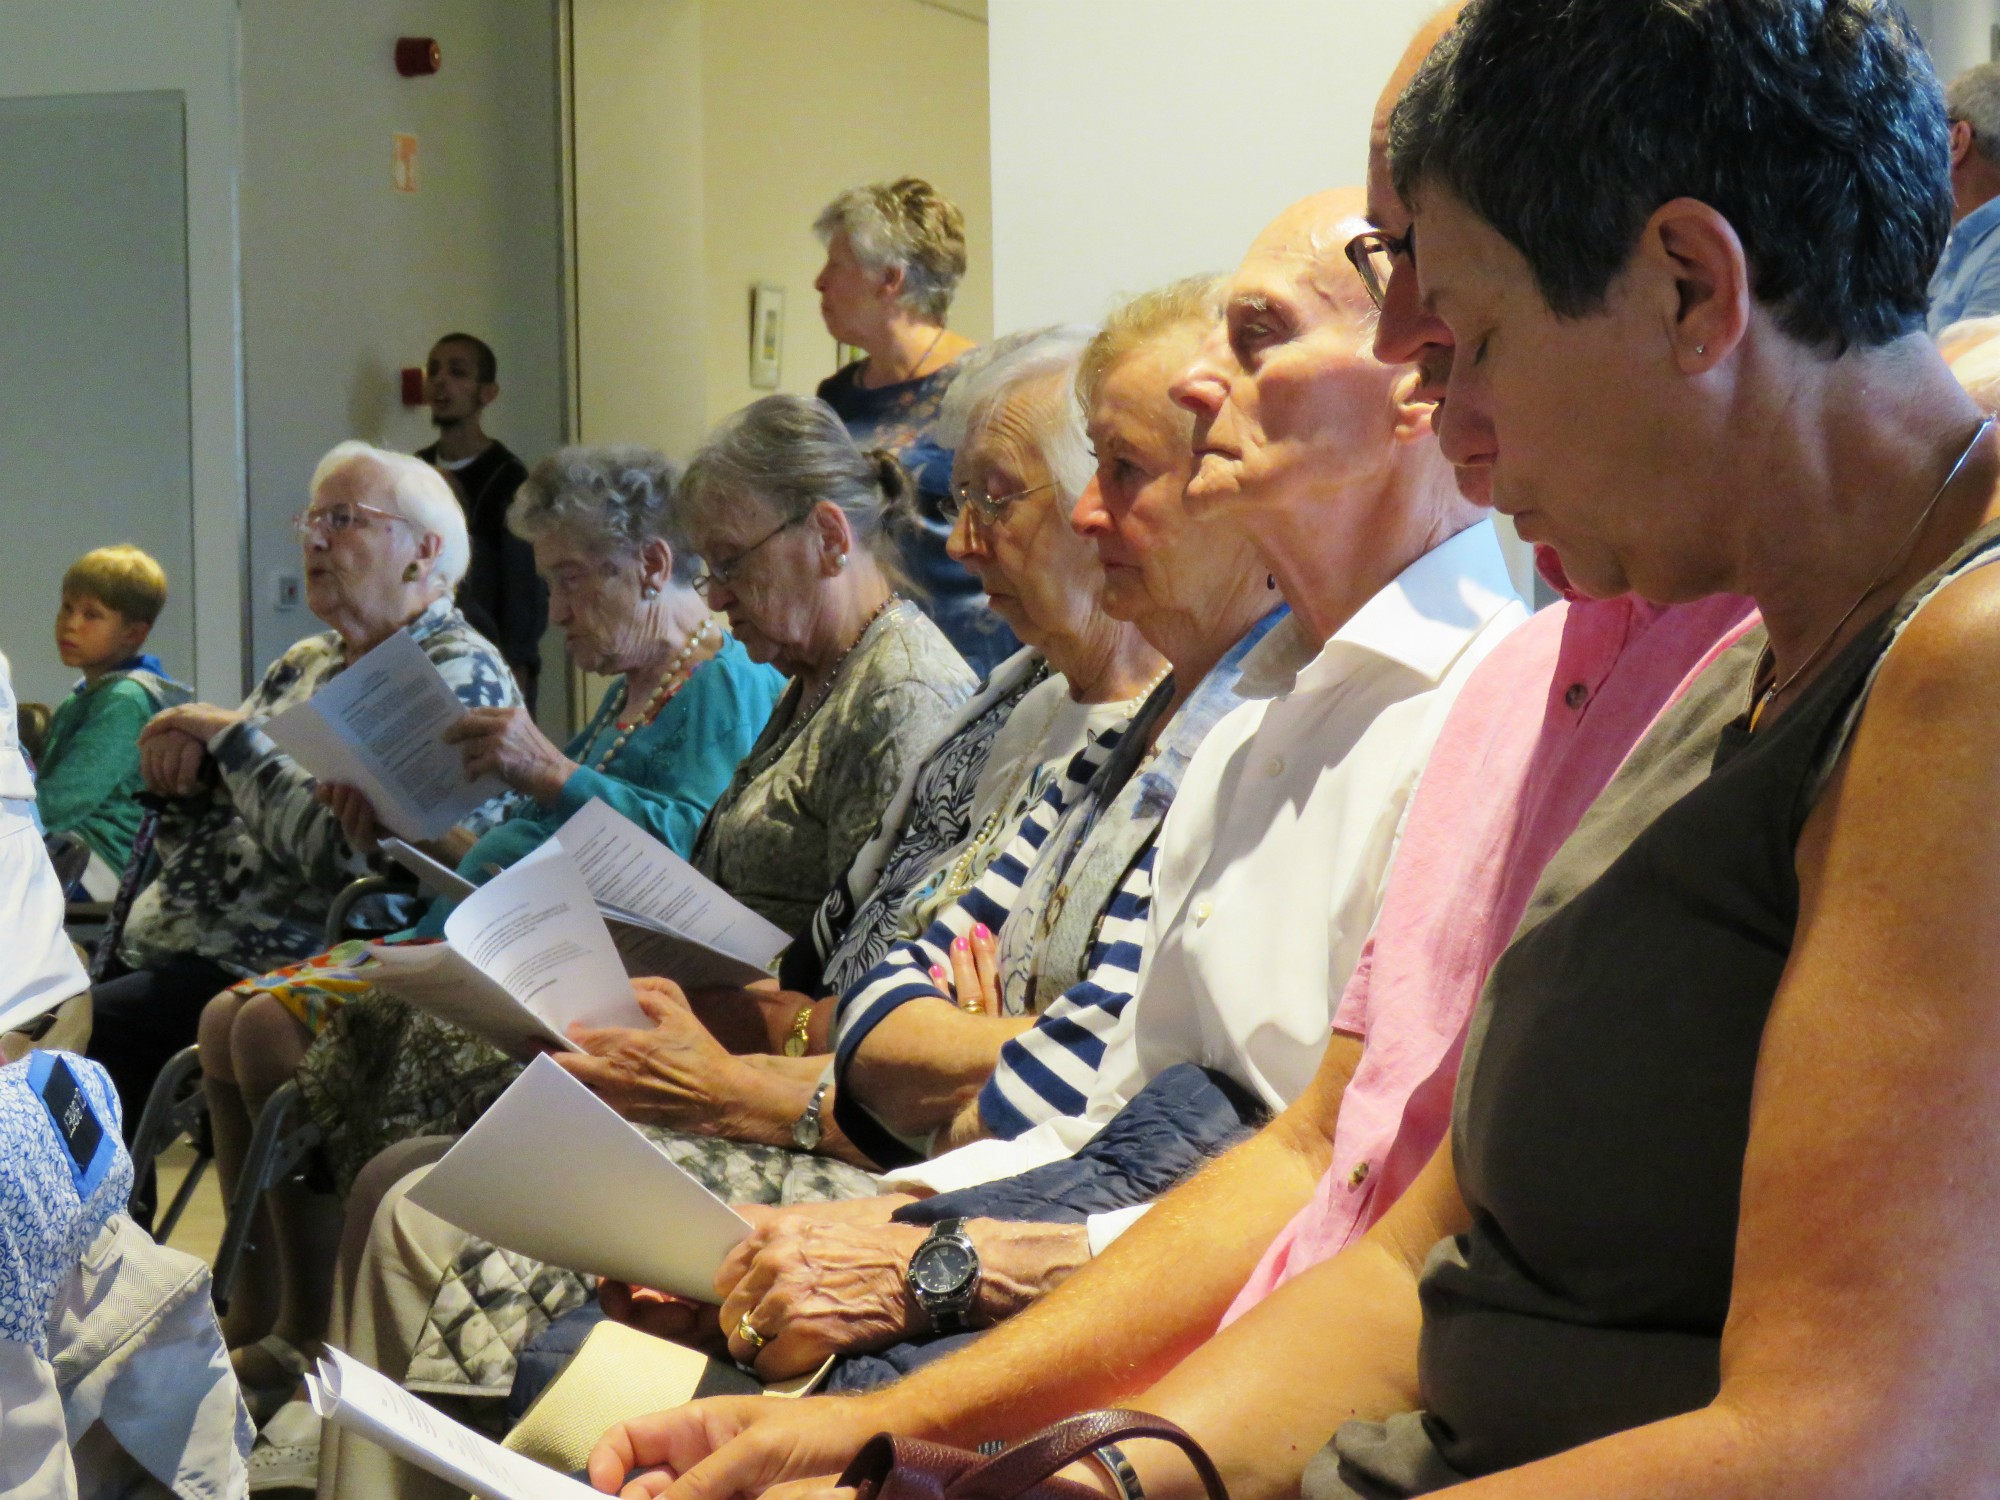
column 89, row 770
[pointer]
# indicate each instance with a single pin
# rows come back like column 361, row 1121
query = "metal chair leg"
column 272, row 1156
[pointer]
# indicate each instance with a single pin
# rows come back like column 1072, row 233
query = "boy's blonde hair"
column 123, row 577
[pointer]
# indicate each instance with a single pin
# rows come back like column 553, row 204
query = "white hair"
column 1972, row 348
column 416, row 492
column 1974, row 97
column 989, row 377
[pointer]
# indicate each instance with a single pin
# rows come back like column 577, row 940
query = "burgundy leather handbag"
column 894, row 1468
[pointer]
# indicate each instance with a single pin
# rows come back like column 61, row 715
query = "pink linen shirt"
column 1537, row 733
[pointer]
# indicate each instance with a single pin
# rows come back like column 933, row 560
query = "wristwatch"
column 795, row 1040
column 943, row 1276
column 806, row 1129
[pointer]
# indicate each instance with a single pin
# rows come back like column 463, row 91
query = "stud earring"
column 649, row 592
column 412, row 573
column 840, row 560
column 1701, row 348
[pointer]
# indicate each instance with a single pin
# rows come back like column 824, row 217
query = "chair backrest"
column 138, row 870
column 32, row 722
column 71, row 857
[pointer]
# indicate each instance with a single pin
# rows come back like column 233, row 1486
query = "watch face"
column 942, row 1267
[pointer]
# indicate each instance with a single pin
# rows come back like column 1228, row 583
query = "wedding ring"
column 750, row 1335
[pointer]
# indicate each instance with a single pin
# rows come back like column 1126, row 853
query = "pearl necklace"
column 671, row 681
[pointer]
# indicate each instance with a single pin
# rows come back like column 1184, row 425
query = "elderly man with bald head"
column 1536, row 733
column 1272, row 861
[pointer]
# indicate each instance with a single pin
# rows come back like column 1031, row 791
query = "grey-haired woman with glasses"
column 789, row 518
column 250, row 857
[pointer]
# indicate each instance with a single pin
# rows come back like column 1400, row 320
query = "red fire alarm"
column 413, row 386
column 417, row 56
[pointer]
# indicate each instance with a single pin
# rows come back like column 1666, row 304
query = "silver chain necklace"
column 1902, row 556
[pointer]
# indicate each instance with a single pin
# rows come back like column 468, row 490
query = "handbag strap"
column 1032, row 1460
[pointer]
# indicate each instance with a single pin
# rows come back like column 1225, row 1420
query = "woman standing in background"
column 894, row 254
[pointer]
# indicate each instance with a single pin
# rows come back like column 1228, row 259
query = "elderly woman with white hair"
column 250, row 857
column 895, row 252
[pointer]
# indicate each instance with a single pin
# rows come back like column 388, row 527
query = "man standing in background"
column 501, row 594
column 1967, row 283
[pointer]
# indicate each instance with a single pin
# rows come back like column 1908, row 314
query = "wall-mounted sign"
column 403, row 162
column 767, row 335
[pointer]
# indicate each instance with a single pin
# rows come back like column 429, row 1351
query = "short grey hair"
column 416, row 492
column 610, row 500
column 1974, row 97
column 905, row 225
column 790, row 453
column 991, row 377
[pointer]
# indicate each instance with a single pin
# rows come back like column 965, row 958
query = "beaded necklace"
column 679, row 670
column 806, row 711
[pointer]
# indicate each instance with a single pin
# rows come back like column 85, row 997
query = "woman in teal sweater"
column 685, row 706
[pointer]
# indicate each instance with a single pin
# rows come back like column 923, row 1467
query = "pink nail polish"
column 981, row 930
column 961, row 945
column 937, row 975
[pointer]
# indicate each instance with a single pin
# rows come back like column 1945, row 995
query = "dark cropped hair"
column 484, row 362
column 1816, row 127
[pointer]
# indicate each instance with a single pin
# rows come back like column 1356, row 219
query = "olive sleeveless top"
column 1603, row 1107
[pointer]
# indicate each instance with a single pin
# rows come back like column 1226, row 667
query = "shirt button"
column 1275, row 766
column 1202, row 912
column 1577, row 696
column 1358, row 1176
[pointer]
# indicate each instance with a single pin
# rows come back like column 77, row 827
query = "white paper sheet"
column 435, row 878
column 346, row 1391
column 378, row 727
column 524, row 955
column 642, row 883
column 554, row 1172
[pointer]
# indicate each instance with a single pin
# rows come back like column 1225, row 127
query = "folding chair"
column 175, row 1109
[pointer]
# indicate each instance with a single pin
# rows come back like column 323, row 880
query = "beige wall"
column 801, row 99
column 346, row 281
column 708, row 134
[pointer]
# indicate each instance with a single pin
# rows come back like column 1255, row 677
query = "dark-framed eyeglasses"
column 708, row 574
column 340, row 518
column 987, row 508
column 1373, row 255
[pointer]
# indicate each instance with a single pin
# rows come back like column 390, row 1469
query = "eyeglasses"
column 988, row 508
column 340, row 518
column 1373, row 255
column 707, row 574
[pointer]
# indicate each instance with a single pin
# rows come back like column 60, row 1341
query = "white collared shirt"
column 40, row 969
column 1273, row 858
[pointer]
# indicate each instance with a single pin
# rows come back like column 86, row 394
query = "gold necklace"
column 662, row 695
column 1902, row 556
column 806, row 712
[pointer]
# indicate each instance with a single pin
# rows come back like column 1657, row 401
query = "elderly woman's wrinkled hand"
column 816, row 1287
column 356, row 813
column 767, row 1223
column 675, row 1075
column 174, row 744
column 506, row 742
column 973, row 981
column 681, row 1320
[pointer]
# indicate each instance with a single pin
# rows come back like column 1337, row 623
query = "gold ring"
column 750, row 1335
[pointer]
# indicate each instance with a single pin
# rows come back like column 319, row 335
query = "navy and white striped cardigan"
column 1046, row 1071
